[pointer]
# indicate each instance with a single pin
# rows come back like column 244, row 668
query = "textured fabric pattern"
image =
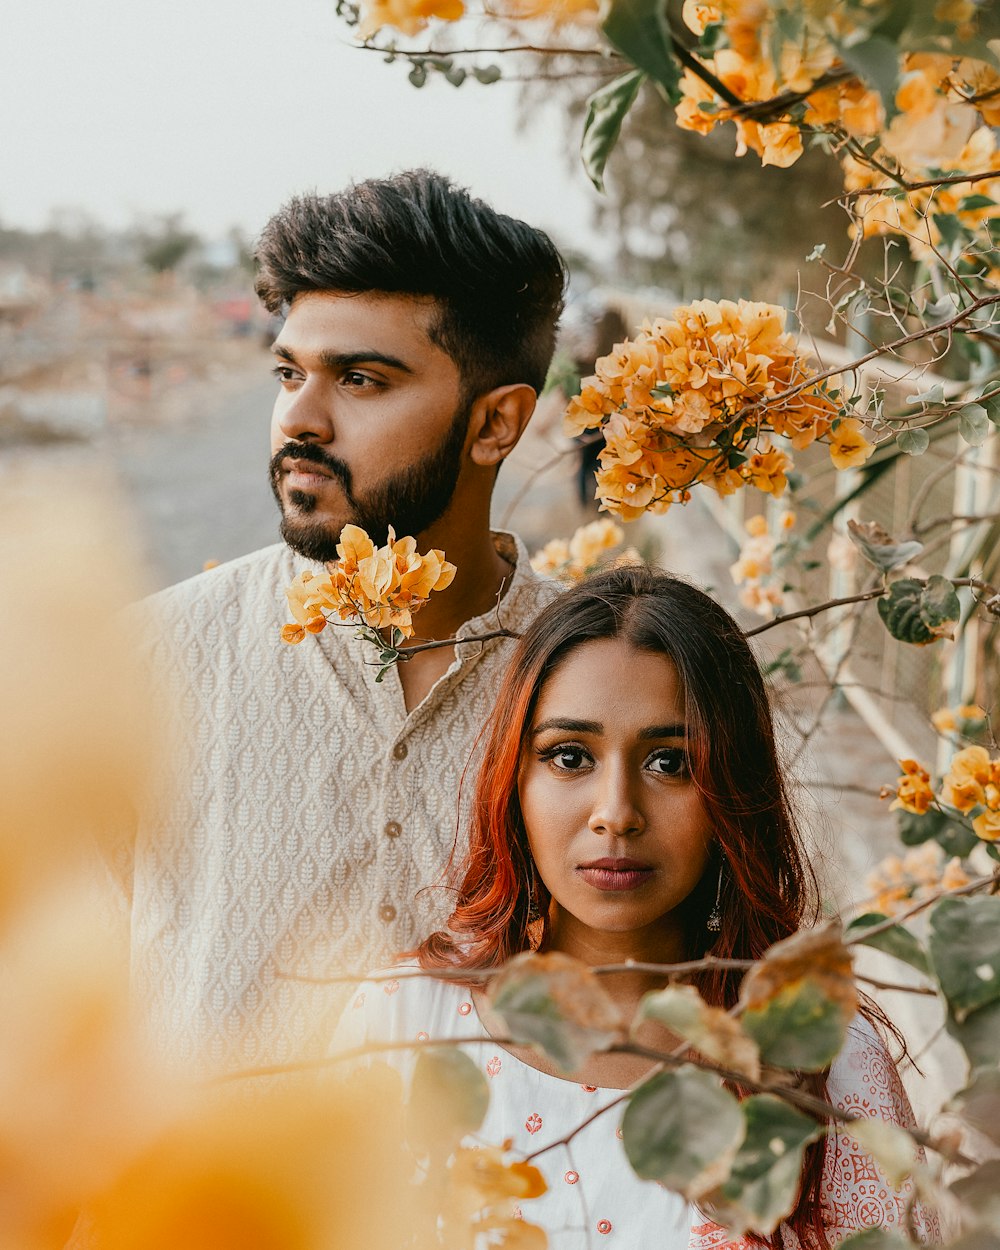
column 300, row 816
column 594, row 1198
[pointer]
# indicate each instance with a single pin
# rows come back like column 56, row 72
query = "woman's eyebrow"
column 664, row 731
column 568, row 726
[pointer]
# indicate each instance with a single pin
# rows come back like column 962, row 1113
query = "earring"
column 714, row 921
column 534, row 911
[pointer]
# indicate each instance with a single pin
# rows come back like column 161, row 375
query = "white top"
column 594, row 1199
column 299, row 816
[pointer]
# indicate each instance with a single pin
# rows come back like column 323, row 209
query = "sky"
column 221, row 109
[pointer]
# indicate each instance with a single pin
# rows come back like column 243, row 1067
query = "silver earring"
column 714, row 921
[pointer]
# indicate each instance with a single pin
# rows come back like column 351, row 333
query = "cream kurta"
column 300, row 816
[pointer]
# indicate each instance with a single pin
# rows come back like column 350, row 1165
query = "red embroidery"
column 571, row 1178
column 359, row 1001
column 589, row 1089
column 422, row 1036
column 604, row 1226
column 533, row 1123
column 390, row 987
column 464, row 1009
column 493, row 1066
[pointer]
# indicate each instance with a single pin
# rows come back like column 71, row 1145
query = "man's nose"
column 617, row 810
column 305, row 416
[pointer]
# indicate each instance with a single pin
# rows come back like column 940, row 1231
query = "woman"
column 630, row 807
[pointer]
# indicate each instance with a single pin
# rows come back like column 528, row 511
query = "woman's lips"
column 615, row 874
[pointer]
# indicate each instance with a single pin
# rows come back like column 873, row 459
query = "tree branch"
column 813, row 611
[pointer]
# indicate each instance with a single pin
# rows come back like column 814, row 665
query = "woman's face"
column 617, row 828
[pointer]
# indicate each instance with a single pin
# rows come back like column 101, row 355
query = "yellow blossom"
column 848, row 446
column 756, row 526
column 913, row 789
column 969, row 772
column 582, row 554
column 943, row 720
column 407, row 16
column 381, row 587
column 766, row 469
column 987, row 825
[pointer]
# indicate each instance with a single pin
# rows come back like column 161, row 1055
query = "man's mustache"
column 310, row 453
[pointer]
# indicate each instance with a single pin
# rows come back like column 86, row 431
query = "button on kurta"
column 387, row 912
column 400, row 751
column 393, row 829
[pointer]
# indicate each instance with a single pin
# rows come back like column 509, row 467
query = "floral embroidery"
column 589, row 1089
column 422, row 1036
column 464, row 1008
column 493, row 1066
column 390, row 987
column 571, row 1178
column 604, row 1226
column 533, row 1123
column 359, row 1001
column 618, row 1133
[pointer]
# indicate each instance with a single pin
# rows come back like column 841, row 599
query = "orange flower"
column 969, row 773
column 381, row 588
column 848, row 446
column 766, row 469
column 913, row 789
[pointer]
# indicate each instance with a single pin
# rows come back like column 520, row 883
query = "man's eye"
column 669, row 762
column 359, row 381
column 284, row 373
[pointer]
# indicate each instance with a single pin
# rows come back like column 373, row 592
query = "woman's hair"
column 768, row 887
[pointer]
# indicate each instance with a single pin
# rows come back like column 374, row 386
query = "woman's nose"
column 616, row 809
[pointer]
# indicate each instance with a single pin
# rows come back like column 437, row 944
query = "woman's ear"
column 497, row 422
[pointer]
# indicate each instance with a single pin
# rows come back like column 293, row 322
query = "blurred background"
column 144, row 147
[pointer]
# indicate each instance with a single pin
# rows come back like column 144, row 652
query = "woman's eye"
column 566, row 759
column 670, row 762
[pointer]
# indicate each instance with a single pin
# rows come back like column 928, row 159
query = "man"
column 307, row 812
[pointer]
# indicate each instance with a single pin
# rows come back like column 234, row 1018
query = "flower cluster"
column 379, row 587
column 407, row 16
column 486, row 1190
column 696, row 398
column 587, row 551
column 967, row 718
column 897, row 881
column 755, row 566
column 947, row 108
column 970, row 789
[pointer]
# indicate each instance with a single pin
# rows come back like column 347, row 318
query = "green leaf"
column 683, row 1129
column 880, row 548
column 935, row 395
column 913, row 441
column 953, row 837
column 978, row 1035
column 940, row 607
column 711, row 1030
column 965, row 951
column 976, row 201
column 606, row 110
column 897, row 941
column 951, row 229
column 449, row 1096
column 639, row 30
column 765, row 1176
column 800, row 998
column 973, row 424
column 557, row 1004
column 876, row 60
column 487, row 74
column 991, row 402
column 920, row 612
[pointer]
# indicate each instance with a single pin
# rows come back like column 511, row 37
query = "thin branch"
column 406, row 652
column 944, row 181
column 447, row 54
column 893, row 922
column 813, row 611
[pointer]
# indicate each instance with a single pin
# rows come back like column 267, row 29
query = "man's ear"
column 498, row 420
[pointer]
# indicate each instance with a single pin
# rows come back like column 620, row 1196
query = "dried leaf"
column 712, row 1031
column 558, row 1004
column 798, row 1001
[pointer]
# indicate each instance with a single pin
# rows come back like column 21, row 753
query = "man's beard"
column 411, row 501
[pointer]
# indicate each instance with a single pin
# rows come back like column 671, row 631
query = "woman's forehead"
column 608, row 675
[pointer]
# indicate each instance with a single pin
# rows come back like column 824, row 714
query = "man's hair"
column 498, row 282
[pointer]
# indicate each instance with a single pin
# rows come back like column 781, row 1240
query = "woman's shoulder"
column 864, row 1079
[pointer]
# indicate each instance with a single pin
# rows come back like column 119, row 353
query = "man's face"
column 369, row 425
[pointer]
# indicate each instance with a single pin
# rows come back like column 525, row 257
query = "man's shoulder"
column 246, row 582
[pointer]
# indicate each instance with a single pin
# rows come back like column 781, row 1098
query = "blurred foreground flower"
column 754, row 570
column 696, row 398
column 380, row 588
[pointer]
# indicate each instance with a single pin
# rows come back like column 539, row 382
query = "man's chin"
column 314, row 539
